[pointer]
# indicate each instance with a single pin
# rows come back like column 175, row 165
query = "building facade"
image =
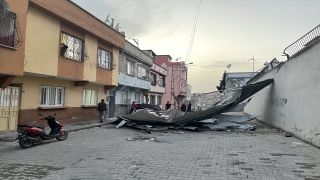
column 134, row 79
column 176, row 80
column 65, row 64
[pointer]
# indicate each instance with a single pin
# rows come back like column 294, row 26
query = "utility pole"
column 252, row 59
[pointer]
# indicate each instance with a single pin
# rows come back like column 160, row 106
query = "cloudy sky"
column 227, row 31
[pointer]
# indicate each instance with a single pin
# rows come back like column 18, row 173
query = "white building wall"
column 292, row 101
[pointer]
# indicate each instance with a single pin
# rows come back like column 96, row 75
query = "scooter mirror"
column 40, row 114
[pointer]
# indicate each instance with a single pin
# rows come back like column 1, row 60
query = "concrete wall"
column 292, row 101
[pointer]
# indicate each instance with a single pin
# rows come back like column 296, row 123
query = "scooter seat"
column 41, row 127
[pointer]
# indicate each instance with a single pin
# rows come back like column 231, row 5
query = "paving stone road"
column 106, row 153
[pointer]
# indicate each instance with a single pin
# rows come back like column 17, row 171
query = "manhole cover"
column 141, row 139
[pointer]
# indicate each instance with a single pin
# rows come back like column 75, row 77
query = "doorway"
column 9, row 107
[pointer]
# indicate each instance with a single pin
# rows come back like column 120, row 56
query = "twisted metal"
column 303, row 43
column 10, row 34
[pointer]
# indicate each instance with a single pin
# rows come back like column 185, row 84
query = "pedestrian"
column 168, row 106
column 102, row 108
column 189, row 107
column 133, row 107
column 183, row 107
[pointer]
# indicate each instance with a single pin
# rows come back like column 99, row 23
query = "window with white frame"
column 52, row 96
column 71, row 47
column 154, row 79
column 142, row 72
column 152, row 99
column 137, row 97
column 130, row 67
column 89, row 97
column 124, row 97
column 161, row 81
column 159, row 99
column 104, row 59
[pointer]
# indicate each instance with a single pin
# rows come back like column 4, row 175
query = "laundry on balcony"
column 214, row 118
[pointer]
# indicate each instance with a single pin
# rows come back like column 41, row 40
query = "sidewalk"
column 11, row 135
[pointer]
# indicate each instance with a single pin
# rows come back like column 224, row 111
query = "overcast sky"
column 227, row 31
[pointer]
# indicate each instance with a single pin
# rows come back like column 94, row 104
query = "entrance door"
column 9, row 108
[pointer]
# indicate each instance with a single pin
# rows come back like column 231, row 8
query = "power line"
column 193, row 33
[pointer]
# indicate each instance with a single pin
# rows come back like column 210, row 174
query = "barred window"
column 159, row 99
column 161, row 81
column 71, row 47
column 52, row 96
column 153, row 79
column 89, row 97
column 104, row 59
column 152, row 99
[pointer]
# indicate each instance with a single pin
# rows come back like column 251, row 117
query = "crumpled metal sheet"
column 191, row 120
column 234, row 118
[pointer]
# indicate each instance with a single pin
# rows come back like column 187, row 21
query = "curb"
column 10, row 139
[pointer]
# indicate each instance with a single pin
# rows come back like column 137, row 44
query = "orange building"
column 54, row 57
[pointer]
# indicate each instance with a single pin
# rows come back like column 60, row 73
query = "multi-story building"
column 134, row 79
column 176, row 80
column 158, row 83
column 65, row 64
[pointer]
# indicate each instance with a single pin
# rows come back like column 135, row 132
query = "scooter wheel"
column 24, row 143
column 63, row 136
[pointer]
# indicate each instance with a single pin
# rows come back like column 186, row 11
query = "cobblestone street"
column 107, row 153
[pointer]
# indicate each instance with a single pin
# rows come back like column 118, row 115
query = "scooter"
column 29, row 134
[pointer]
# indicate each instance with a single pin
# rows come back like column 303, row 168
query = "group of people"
column 102, row 108
column 185, row 107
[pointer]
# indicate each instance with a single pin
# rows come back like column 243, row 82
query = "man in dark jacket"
column 102, row 107
column 183, row 107
column 189, row 107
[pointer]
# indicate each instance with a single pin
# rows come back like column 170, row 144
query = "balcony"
column 10, row 34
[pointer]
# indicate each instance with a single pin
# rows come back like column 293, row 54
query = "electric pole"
column 252, row 59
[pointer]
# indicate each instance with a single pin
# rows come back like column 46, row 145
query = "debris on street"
column 214, row 118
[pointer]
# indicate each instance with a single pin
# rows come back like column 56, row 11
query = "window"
column 152, row 99
column 161, row 81
column 124, row 96
column 130, row 68
column 104, row 59
column 142, row 72
column 153, row 79
column 52, row 96
column 71, row 47
column 159, row 99
column 137, row 97
column 89, row 97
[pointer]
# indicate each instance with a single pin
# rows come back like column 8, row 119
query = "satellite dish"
column 162, row 65
column 266, row 63
column 229, row 66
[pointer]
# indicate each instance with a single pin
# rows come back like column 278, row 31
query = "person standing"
column 133, row 107
column 102, row 108
column 189, row 107
column 168, row 106
column 183, row 107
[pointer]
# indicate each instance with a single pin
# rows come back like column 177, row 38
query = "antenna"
column 106, row 21
column 117, row 27
column 136, row 41
column 252, row 59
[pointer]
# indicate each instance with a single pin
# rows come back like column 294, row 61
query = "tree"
column 222, row 85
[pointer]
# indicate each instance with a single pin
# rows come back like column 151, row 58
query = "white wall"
column 292, row 101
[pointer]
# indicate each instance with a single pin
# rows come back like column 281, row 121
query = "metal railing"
column 303, row 43
column 10, row 34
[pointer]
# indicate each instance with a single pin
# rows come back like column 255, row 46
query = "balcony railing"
column 303, row 43
column 10, row 34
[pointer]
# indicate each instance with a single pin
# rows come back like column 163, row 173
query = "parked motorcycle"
column 29, row 134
